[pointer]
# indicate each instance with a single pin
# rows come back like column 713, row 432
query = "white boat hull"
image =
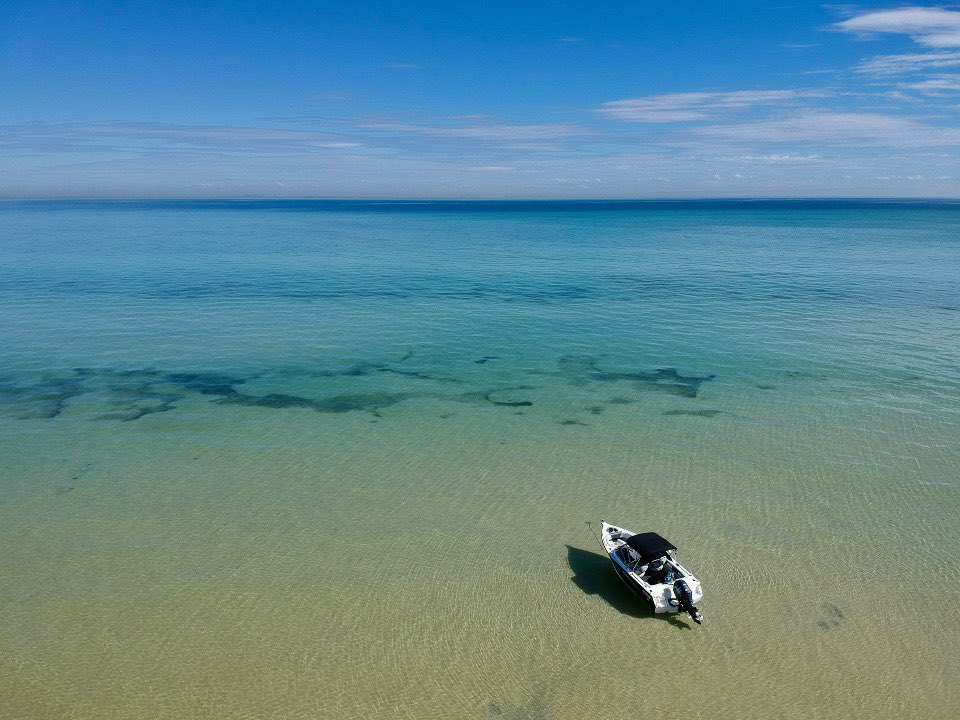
column 659, row 596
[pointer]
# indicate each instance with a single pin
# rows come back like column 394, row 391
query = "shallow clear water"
column 335, row 459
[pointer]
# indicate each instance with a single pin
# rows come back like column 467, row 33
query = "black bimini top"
column 650, row 545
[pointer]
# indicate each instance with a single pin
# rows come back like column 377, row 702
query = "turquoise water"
column 319, row 459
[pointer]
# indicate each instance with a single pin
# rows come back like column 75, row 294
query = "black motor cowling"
column 685, row 599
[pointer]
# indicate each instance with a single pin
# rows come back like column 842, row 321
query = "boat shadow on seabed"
column 594, row 574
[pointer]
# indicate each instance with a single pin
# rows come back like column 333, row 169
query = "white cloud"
column 205, row 134
column 937, row 86
column 501, row 133
column 910, row 63
column 212, row 136
column 510, row 132
column 691, row 107
column 839, row 128
column 775, row 159
column 934, row 27
column 901, row 96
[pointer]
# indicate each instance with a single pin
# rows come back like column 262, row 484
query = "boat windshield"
column 650, row 545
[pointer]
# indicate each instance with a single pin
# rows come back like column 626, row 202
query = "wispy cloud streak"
column 839, row 128
column 933, row 27
column 939, row 86
column 492, row 132
column 909, row 63
column 696, row 106
column 67, row 137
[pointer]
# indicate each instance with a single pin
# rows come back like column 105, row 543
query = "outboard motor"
column 685, row 598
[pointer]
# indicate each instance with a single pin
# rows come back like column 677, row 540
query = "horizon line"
column 706, row 198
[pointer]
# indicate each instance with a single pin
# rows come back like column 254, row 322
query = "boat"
column 645, row 563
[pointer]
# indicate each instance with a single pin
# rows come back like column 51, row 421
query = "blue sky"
column 487, row 100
